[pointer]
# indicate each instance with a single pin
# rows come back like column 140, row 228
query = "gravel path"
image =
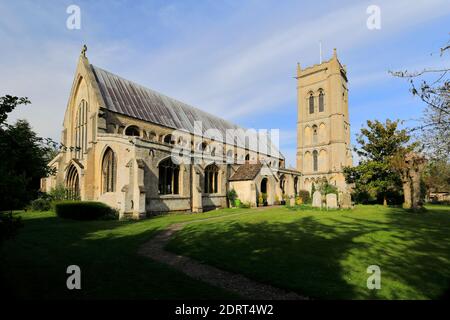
column 236, row 283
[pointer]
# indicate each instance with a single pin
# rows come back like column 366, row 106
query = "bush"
column 60, row 193
column 41, row 204
column 305, row 196
column 84, row 210
column 232, row 196
column 245, row 205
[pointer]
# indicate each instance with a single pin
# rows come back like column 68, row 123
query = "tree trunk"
column 416, row 202
column 407, row 193
column 384, row 200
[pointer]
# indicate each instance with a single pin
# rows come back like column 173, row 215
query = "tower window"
column 315, row 160
column 311, row 103
column 321, row 101
column 314, row 133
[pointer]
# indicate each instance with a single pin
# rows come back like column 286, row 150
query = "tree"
column 432, row 87
column 375, row 178
column 436, row 176
column 410, row 166
column 23, row 158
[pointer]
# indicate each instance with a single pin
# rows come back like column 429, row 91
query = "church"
column 142, row 152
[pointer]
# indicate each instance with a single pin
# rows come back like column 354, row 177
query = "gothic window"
column 230, row 156
column 168, row 177
column 282, row 183
column 321, row 101
column 132, row 131
column 81, row 130
column 72, row 183
column 315, row 160
column 109, row 171
column 211, row 179
column 315, row 133
column 311, row 103
column 295, row 185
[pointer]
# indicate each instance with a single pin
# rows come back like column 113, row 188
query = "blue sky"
column 235, row 59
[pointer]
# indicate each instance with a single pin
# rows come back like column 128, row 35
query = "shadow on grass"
column 33, row 265
column 327, row 258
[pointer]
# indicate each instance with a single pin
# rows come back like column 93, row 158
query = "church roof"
column 247, row 171
column 126, row 97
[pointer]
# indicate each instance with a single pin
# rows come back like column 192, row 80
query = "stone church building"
column 142, row 152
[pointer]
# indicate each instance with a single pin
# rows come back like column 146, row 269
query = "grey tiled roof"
column 131, row 99
column 247, row 171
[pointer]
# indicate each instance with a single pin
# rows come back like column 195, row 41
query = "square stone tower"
column 323, row 127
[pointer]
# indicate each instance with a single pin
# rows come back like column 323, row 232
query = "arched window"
column 72, row 183
column 315, row 133
column 296, row 185
column 282, row 183
column 321, row 101
column 81, row 130
column 247, row 157
column 211, row 179
column 132, row 131
column 315, row 160
column 169, row 174
column 169, row 139
column 230, row 157
column 109, row 171
column 264, row 185
column 311, row 103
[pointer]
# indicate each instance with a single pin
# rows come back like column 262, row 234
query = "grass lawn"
column 325, row 255
column 33, row 265
column 316, row 253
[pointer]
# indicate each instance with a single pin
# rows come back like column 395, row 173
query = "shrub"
column 84, row 210
column 41, row 204
column 232, row 196
column 245, row 205
column 60, row 193
column 305, row 196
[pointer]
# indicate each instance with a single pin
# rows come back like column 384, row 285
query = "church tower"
column 323, row 127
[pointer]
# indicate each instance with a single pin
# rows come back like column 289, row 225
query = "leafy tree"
column 374, row 178
column 23, row 158
column 436, row 176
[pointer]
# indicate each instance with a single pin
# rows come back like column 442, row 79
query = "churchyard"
column 316, row 253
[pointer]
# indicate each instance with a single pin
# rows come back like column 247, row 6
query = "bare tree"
column 434, row 127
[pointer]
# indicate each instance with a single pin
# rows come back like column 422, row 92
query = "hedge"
column 83, row 210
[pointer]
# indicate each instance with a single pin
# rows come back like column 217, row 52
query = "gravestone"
column 292, row 201
column 317, row 199
column 332, row 201
column 346, row 200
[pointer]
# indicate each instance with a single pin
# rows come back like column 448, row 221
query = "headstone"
column 332, row 201
column 292, row 201
column 346, row 200
column 317, row 199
